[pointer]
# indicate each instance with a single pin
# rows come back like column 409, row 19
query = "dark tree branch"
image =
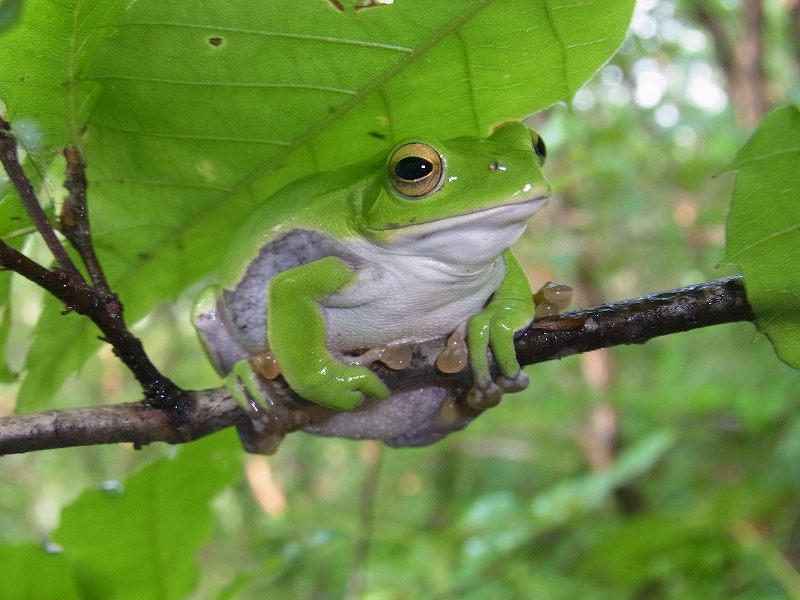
column 68, row 285
column 628, row 322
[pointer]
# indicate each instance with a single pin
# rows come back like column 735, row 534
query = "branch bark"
column 208, row 411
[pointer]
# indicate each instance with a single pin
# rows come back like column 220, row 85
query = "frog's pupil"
column 412, row 168
column 540, row 148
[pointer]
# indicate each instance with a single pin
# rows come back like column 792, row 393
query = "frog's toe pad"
column 483, row 396
column 269, row 421
column 258, row 442
column 513, row 384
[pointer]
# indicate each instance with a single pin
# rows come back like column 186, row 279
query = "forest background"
column 668, row 470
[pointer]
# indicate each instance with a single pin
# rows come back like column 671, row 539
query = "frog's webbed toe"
column 484, row 394
column 268, row 425
column 513, row 384
column 269, row 418
column 455, row 355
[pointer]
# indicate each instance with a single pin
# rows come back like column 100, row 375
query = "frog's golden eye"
column 416, row 170
column 538, row 146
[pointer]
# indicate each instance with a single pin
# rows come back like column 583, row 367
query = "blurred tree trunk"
column 794, row 27
column 741, row 56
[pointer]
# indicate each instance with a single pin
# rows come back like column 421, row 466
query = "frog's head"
column 484, row 185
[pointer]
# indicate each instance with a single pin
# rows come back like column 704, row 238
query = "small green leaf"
column 575, row 498
column 29, row 572
column 139, row 540
column 764, row 228
column 14, row 219
column 48, row 364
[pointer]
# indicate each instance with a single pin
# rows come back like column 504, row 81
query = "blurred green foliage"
column 664, row 471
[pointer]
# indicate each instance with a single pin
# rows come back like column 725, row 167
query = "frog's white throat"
column 472, row 239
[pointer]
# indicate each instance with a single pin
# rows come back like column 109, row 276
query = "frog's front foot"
column 270, row 419
column 495, row 327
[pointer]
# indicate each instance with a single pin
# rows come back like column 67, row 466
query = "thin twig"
column 629, row 322
column 76, row 297
column 10, row 160
column 75, row 220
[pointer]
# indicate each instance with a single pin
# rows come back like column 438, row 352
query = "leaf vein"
column 162, row 183
column 551, row 18
column 233, row 84
column 278, row 34
column 763, row 240
column 190, row 136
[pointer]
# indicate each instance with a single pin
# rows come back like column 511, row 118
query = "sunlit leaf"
column 207, row 110
column 139, row 539
column 764, row 228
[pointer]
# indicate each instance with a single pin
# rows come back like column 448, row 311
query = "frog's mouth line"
column 509, row 213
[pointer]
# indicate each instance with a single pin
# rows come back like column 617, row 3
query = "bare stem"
column 628, row 322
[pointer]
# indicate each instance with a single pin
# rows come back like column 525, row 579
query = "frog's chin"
column 471, row 240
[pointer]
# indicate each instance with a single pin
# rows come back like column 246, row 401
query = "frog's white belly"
column 418, row 283
column 397, row 297
column 407, row 299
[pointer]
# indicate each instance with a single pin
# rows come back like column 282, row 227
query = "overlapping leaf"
column 764, row 228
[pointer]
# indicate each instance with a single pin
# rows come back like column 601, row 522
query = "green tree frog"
column 409, row 246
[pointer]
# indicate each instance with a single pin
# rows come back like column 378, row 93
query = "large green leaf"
column 140, row 540
column 201, row 110
column 208, row 109
column 764, row 228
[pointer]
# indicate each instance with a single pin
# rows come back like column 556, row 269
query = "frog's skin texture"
column 407, row 247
